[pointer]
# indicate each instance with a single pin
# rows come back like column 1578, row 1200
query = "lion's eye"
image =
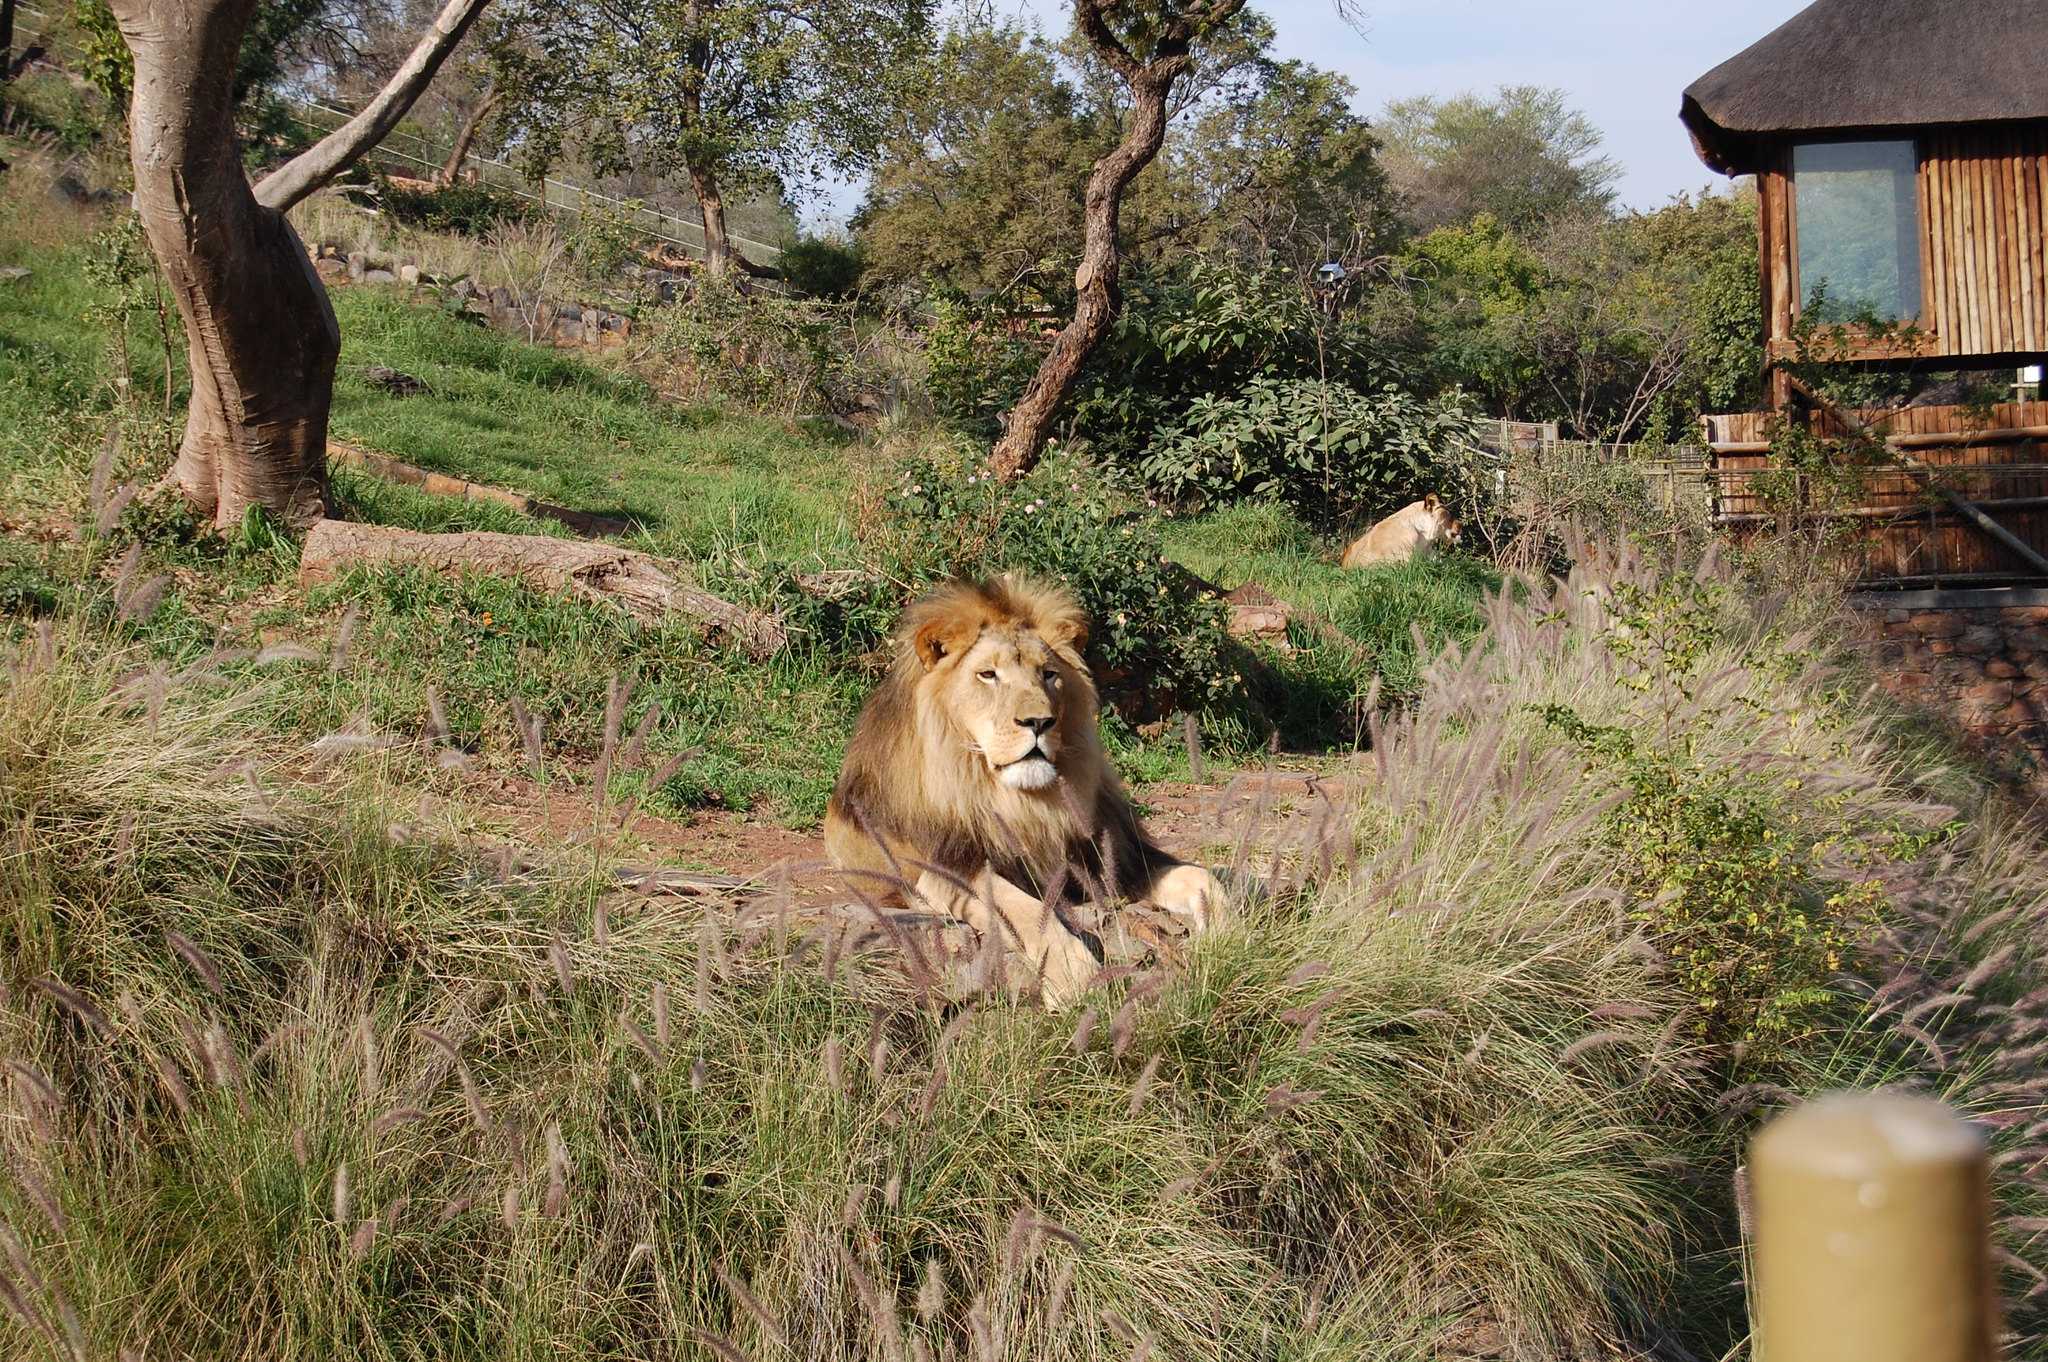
column 988, row 676
column 1052, row 677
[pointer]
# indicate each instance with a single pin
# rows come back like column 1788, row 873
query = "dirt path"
column 1246, row 815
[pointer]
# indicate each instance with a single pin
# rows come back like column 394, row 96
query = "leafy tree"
column 1150, row 47
column 1523, row 155
column 1282, row 170
column 1461, row 310
column 736, row 94
column 1617, row 328
column 979, row 187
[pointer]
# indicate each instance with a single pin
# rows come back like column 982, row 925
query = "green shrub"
column 975, row 368
column 1333, row 453
column 1159, row 641
column 821, row 267
column 1758, row 923
column 469, row 209
column 778, row 354
column 603, row 240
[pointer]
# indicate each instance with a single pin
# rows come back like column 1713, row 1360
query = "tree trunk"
column 711, row 205
column 1097, row 296
column 637, row 583
column 261, row 338
column 260, row 335
column 6, row 40
column 459, row 153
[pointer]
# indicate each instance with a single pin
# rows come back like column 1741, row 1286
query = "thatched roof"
column 1842, row 66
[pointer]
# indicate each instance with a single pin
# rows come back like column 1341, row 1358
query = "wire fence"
column 407, row 153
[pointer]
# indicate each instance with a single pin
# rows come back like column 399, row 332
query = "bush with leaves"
column 821, row 267
column 1158, row 639
column 467, row 209
column 777, row 354
column 1333, row 453
column 1204, row 331
column 975, row 366
column 1761, row 893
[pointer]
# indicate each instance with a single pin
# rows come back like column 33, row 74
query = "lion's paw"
column 1066, row 970
column 1191, row 894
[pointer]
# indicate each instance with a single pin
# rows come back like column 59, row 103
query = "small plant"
column 603, row 241
column 469, row 209
column 1159, row 641
column 821, row 266
column 976, row 366
column 777, row 354
column 119, row 265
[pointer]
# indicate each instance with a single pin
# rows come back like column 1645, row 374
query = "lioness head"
column 1441, row 526
column 1002, row 669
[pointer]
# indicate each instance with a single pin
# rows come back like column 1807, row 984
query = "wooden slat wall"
column 1908, row 533
column 1983, row 197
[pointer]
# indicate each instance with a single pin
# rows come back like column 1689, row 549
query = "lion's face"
column 1004, row 674
column 1009, row 695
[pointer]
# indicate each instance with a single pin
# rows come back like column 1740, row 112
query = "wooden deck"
column 1901, row 523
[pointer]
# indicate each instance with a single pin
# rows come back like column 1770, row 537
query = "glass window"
column 1859, row 230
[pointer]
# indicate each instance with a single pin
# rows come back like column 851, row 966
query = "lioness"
column 1413, row 530
column 976, row 780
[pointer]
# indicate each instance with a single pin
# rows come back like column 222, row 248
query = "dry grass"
column 288, row 1079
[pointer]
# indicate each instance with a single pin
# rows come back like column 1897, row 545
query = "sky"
column 1621, row 62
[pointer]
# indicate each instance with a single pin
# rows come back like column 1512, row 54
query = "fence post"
column 1872, row 1234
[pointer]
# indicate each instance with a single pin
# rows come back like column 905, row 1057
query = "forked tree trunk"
column 1096, row 293
column 260, row 335
column 465, row 137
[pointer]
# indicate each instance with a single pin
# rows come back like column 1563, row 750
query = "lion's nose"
column 1037, row 723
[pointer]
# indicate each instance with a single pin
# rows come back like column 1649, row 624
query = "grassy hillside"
column 303, row 1062
column 747, row 500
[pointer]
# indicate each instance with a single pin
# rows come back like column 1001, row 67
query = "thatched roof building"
column 1845, row 67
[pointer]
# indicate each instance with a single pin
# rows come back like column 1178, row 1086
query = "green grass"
column 582, row 435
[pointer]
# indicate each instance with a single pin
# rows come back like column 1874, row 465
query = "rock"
column 569, row 312
column 463, row 288
column 501, row 299
column 1991, row 693
column 332, row 270
column 14, row 274
column 1981, row 639
column 408, row 273
column 1257, row 614
column 2000, row 668
column 394, row 381
column 356, row 265
column 379, row 277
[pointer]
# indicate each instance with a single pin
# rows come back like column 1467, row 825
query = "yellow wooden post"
column 1872, row 1234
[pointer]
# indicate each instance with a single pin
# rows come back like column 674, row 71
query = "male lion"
column 1408, row 533
column 976, row 779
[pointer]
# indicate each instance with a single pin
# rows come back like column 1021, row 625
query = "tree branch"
column 340, row 149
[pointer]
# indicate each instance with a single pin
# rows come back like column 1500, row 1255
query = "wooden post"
column 1872, row 1234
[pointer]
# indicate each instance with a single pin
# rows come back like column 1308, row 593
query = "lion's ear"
column 1430, row 502
column 1068, row 629
column 941, row 636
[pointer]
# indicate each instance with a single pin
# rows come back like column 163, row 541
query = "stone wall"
column 1978, row 659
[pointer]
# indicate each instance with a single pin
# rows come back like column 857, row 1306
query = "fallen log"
column 637, row 583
